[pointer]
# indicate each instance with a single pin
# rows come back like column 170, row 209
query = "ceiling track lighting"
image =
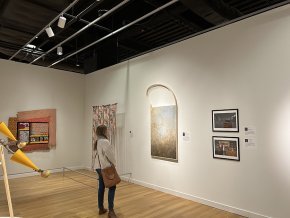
column 61, row 21
column 49, row 32
column 45, row 28
column 77, row 61
column 82, row 29
column 101, row 12
column 59, row 50
column 77, row 58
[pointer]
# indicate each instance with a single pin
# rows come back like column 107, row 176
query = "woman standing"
column 104, row 154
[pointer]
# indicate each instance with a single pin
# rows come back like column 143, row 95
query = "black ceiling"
column 21, row 20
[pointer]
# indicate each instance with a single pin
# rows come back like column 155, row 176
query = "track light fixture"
column 59, row 50
column 49, row 32
column 101, row 12
column 61, row 21
column 77, row 61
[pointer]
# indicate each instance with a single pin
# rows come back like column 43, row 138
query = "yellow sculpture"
column 4, row 129
column 18, row 157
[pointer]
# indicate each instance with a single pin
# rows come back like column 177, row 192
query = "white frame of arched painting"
column 176, row 146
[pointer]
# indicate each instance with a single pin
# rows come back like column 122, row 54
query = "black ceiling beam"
column 213, row 11
column 167, row 34
column 134, row 44
column 3, row 5
column 55, row 7
column 8, row 45
column 126, row 48
column 176, row 15
column 240, row 3
column 155, row 31
column 87, row 22
column 225, row 9
column 9, row 26
column 163, row 30
column 252, row 6
column 173, row 36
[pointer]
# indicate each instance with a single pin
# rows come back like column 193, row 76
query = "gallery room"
column 188, row 101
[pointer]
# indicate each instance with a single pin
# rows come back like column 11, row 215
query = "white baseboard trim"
column 214, row 204
column 33, row 173
column 89, row 169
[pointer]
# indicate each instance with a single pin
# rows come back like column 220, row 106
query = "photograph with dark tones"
column 226, row 148
column 225, row 120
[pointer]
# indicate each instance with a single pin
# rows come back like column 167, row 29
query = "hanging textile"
column 104, row 115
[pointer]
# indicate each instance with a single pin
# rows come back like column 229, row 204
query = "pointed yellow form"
column 4, row 129
column 21, row 158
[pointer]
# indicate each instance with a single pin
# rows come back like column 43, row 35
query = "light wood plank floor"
column 75, row 196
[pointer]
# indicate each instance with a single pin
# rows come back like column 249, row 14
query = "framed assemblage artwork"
column 33, row 132
column 36, row 127
column 226, row 148
column 164, row 116
column 225, row 120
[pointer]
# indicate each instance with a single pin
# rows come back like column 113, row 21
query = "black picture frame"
column 226, row 120
column 225, row 147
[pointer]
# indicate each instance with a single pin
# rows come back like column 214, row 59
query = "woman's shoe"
column 102, row 211
column 112, row 214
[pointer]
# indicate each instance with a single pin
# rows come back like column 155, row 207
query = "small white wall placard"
column 186, row 136
column 131, row 134
column 250, row 142
column 250, row 137
column 250, row 131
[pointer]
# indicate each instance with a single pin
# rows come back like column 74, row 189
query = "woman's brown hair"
column 101, row 132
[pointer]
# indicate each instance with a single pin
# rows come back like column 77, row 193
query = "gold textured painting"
column 164, row 133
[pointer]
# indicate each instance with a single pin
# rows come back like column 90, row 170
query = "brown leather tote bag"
column 110, row 176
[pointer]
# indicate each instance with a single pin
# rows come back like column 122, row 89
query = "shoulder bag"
column 109, row 174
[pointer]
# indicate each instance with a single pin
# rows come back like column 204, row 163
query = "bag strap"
column 98, row 154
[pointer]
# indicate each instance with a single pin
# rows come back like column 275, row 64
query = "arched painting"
column 163, row 110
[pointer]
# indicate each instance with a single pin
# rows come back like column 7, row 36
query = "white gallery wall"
column 244, row 65
column 26, row 87
column 109, row 87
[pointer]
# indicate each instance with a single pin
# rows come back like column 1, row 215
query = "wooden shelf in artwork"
column 39, row 142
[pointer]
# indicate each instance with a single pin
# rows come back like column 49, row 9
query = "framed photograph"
column 225, row 120
column 226, row 148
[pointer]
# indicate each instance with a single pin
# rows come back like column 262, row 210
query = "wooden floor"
column 75, row 196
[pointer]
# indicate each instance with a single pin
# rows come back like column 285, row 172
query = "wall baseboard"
column 214, row 204
column 26, row 174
